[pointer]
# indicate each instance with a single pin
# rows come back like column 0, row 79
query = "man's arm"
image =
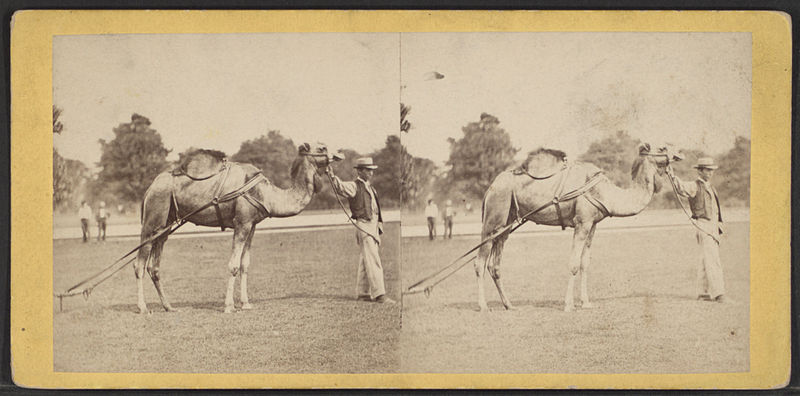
column 343, row 188
column 686, row 190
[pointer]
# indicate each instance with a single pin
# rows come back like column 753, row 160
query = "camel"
column 196, row 183
column 516, row 193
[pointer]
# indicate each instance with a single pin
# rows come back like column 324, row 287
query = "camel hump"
column 544, row 162
column 201, row 164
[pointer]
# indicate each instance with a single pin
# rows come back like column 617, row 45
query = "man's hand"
column 328, row 170
column 669, row 171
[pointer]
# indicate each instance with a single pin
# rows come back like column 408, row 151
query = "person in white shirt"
column 102, row 216
column 85, row 213
column 704, row 202
column 449, row 213
column 366, row 212
column 431, row 212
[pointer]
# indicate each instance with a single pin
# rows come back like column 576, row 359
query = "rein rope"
column 507, row 229
column 96, row 279
column 333, row 186
column 686, row 212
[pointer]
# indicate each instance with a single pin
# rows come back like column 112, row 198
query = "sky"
column 564, row 90
column 219, row 90
column 559, row 90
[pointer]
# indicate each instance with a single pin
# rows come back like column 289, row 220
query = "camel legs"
column 243, row 268
column 494, row 270
column 578, row 245
column 240, row 234
column 484, row 254
column 138, row 270
column 153, row 266
column 585, row 258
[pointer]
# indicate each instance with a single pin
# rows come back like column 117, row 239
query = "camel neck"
column 291, row 201
column 624, row 202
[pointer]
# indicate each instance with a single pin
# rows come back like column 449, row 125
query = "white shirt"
column 85, row 212
column 432, row 210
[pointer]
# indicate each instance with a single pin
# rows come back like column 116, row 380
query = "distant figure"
column 431, row 212
column 85, row 213
column 120, row 209
column 102, row 216
column 366, row 211
column 704, row 202
column 449, row 213
column 468, row 208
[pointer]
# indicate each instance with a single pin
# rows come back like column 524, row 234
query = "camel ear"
column 644, row 148
column 304, row 148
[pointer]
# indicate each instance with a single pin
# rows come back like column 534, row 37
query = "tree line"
column 136, row 155
column 485, row 149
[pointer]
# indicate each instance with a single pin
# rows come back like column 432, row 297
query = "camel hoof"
column 587, row 305
column 569, row 308
column 229, row 310
column 510, row 307
column 170, row 309
column 247, row 306
column 143, row 311
column 483, row 308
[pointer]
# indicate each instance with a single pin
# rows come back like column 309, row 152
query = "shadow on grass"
column 498, row 306
column 220, row 305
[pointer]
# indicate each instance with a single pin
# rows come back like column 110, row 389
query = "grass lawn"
column 645, row 320
column 305, row 319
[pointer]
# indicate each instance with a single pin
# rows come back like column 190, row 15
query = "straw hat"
column 365, row 162
column 705, row 163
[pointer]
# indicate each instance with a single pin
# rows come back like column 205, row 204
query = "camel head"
column 653, row 161
column 318, row 158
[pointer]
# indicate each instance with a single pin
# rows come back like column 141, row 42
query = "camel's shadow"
column 558, row 305
column 498, row 306
column 219, row 305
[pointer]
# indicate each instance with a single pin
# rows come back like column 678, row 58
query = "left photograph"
column 226, row 203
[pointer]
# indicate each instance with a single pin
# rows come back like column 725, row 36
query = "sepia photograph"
column 599, row 182
column 225, row 203
column 360, row 199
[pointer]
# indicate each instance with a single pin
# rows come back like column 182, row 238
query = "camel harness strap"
column 506, row 230
column 86, row 286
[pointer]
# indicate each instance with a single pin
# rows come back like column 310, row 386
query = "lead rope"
column 686, row 212
column 336, row 194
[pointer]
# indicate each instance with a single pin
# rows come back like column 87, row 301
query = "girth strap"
column 215, row 201
column 556, row 197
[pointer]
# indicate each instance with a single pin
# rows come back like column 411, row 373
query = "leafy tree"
column 478, row 157
column 614, row 154
column 131, row 160
column 272, row 153
column 390, row 165
column 732, row 179
column 407, row 180
column 422, row 181
column 68, row 175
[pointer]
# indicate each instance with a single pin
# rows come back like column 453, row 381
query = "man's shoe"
column 363, row 298
column 382, row 299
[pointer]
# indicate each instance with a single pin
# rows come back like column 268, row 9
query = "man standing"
column 102, row 216
column 431, row 212
column 85, row 212
column 706, row 213
column 366, row 212
column 449, row 212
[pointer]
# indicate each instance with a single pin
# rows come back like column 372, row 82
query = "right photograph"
column 575, row 202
